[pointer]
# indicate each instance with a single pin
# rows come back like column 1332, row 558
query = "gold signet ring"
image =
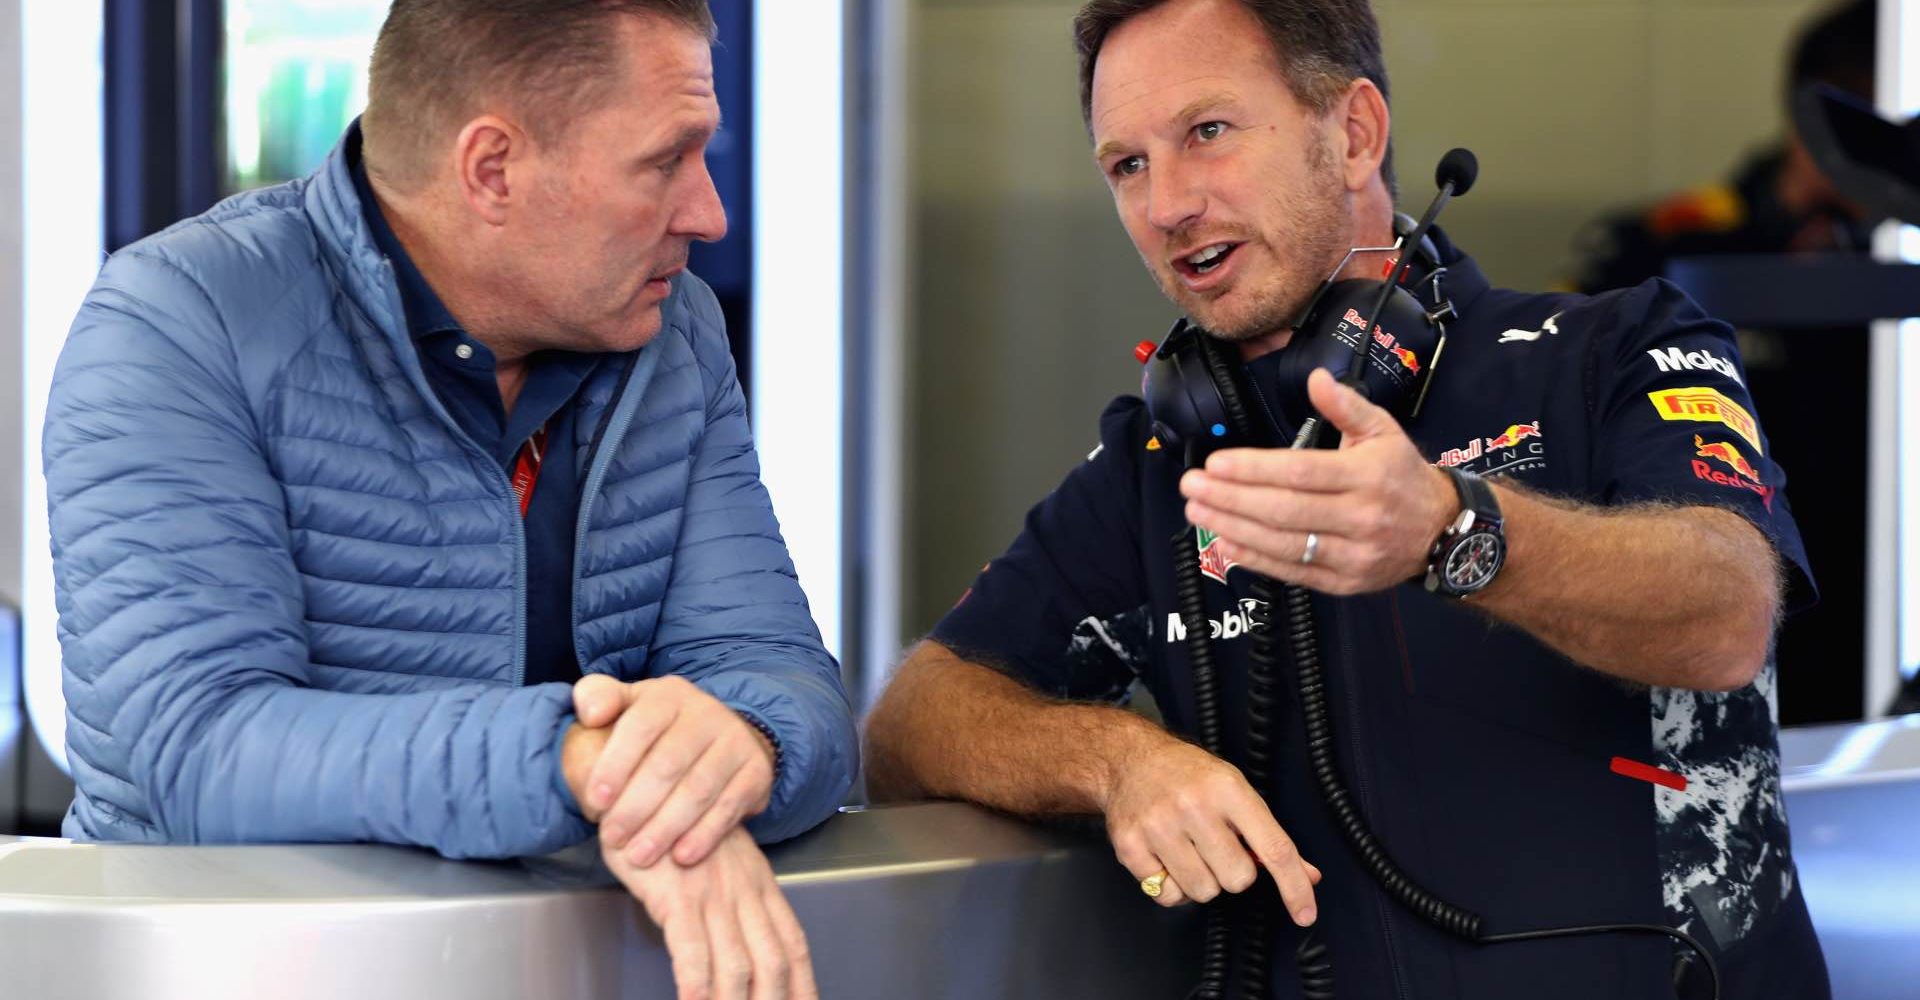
column 1151, row 885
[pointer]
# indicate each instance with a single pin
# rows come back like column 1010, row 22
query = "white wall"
column 60, row 189
column 12, row 357
column 11, row 724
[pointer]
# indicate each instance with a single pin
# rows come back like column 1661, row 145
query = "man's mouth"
column 1203, row 262
column 1206, row 259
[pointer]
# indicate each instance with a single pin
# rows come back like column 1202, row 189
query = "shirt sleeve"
column 1676, row 424
column 1047, row 610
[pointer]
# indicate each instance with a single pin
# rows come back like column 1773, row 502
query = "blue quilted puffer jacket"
column 291, row 590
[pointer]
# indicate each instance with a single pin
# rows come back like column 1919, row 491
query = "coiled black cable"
column 1260, row 692
column 1316, row 967
column 1312, row 679
column 1216, row 954
column 1316, row 971
column 1312, row 956
column 1190, row 594
column 1261, row 665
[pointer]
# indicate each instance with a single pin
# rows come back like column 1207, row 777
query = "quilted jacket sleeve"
column 181, row 618
column 735, row 621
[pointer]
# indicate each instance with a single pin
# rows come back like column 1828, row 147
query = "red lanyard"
column 526, row 468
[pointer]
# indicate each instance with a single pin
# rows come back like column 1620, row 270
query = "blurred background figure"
column 1808, row 381
column 1776, row 201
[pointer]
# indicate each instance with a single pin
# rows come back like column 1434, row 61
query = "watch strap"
column 1476, row 494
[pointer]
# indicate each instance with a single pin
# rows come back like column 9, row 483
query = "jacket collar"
column 348, row 246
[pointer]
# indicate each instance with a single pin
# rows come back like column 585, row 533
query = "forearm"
column 948, row 728
column 467, row 772
column 1666, row 596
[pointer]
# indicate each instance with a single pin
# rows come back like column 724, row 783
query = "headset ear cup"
column 1226, row 382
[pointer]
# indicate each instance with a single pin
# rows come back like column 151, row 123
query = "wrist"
column 768, row 740
column 1511, row 570
column 1126, row 741
column 1446, row 504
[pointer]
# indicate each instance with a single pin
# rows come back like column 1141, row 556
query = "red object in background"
column 1143, row 351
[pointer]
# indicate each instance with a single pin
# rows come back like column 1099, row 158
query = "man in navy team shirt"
column 1586, row 738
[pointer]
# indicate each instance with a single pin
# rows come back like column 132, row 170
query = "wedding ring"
column 1313, row 547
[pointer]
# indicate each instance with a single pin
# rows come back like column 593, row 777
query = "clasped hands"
column 1375, row 504
column 669, row 773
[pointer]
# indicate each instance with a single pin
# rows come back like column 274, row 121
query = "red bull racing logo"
column 1745, row 477
column 1513, row 436
column 1504, row 449
column 1408, row 360
column 1214, row 563
column 1726, row 453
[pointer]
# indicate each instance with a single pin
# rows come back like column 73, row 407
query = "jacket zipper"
column 597, row 464
column 418, row 376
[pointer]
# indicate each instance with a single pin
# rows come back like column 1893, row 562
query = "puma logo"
column 1529, row 336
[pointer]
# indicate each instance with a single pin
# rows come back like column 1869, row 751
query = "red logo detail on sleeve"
column 1745, row 477
column 1724, row 452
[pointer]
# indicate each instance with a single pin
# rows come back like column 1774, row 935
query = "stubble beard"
column 1308, row 243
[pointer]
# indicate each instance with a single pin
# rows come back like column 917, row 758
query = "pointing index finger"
column 1277, row 854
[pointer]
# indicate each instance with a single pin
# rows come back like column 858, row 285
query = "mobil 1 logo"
column 1675, row 359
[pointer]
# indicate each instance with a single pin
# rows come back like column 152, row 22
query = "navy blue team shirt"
column 461, row 371
column 1484, row 760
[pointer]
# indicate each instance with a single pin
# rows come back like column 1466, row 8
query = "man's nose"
column 1173, row 197
column 701, row 216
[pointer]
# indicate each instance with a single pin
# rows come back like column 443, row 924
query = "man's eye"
column 1129, row 166
column 1209, row 131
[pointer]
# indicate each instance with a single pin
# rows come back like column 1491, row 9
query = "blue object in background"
column 14, row 738
column 727, row 266
column 1853, row 799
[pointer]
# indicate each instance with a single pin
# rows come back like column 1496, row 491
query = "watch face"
column 1473, row 561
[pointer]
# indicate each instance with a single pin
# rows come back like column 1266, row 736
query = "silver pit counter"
column 926, row 901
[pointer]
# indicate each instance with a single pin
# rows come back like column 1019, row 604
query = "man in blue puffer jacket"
column 352, row 478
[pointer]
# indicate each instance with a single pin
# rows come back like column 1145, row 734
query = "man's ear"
column 1363, row 119
column 485, row 158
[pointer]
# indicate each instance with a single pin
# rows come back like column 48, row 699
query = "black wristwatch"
column 1470, row 552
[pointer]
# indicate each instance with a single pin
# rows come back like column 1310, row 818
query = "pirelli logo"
column 1706, row 406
